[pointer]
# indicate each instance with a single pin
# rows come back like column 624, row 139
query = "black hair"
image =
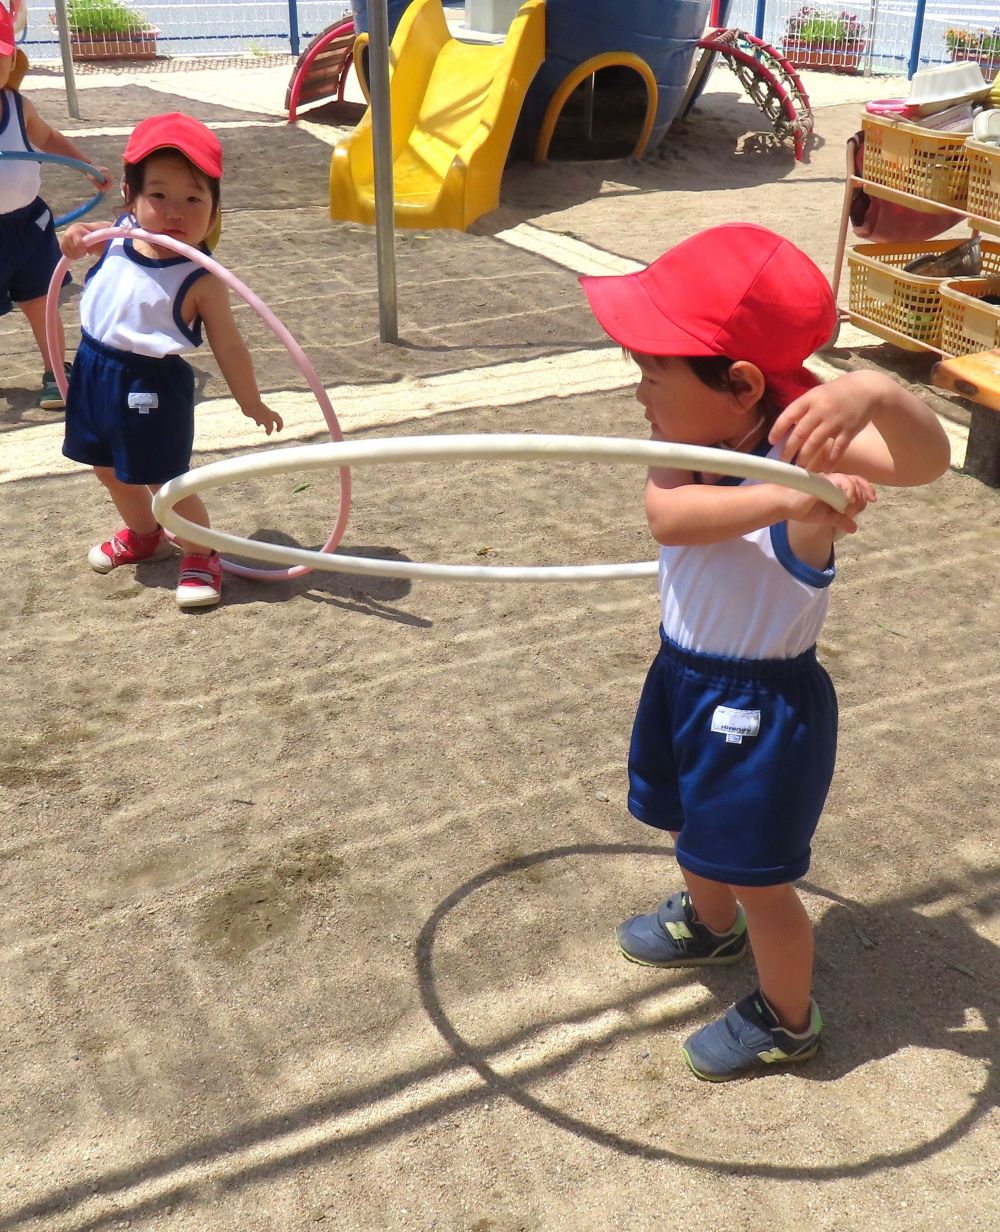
column 134, row 177
column 714, row 372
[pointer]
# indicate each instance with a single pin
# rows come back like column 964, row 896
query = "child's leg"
column 781, row 937
column 192, row 508
column 199, row 581
column 781, row 1024
column 132, row 500
column 141, row 540
column 34, row 310
column 703, row 927
column 714, row 902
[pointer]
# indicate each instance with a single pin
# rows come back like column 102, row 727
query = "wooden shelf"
column 975, row 377
column 990, row 225
column 891, row 335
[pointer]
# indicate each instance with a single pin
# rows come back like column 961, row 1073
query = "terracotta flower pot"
column 988, row 61
column 137, row 45
column 841, row 57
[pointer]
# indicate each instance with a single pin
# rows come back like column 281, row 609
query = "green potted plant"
column 109, row 29
column 825, row 38
column 980, row 44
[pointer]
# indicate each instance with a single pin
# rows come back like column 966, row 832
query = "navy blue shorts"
column 131, row 412
column 29, row 252
column 737, row 756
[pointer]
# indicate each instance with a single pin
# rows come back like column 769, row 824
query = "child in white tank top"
column 130, row 404
column 29, row 251
column 734, row 741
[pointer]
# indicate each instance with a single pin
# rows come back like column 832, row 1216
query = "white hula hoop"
column 464, row 448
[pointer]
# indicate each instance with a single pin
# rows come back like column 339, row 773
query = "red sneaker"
column 199, row 583
column 128, row 547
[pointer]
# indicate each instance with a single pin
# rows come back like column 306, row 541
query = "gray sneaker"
column 748, row 1040
column 670, row 936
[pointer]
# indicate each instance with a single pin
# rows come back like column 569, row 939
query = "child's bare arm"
column 71, row 240
column 683, row 513
column 210, row 299
column 51, row 141
column 865, row 423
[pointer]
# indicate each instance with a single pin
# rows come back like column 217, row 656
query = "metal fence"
column 893, row 42
column 192, row 27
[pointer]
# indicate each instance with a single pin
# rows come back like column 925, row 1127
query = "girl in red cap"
column 130, row 405
column 734, row 740
column 29, row 250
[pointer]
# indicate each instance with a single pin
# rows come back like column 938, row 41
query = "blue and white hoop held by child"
column 29, row 250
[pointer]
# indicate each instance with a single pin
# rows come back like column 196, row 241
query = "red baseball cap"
column 737, row 290
column 175, row 131
column 6, row 32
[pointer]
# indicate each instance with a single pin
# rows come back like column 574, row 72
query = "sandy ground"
column 308, row 901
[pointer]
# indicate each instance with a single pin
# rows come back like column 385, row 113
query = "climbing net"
column 770, row 80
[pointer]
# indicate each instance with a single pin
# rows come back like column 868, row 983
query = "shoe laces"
column 119, row 547
column 123, row 541
column 205, row 574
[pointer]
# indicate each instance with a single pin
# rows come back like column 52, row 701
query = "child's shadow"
column 369, row 595
column 16, row 401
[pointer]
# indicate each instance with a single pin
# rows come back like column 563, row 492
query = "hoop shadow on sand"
column 911, row 965
column 371, row 596
column 940, row 984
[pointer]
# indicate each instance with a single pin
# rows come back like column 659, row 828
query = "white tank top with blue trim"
column 745, row 598
column 21, row 182
column 133, row 303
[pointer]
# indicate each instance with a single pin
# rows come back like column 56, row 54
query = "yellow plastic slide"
column 454, row 109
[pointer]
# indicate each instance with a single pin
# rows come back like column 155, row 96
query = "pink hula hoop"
column 269, row 319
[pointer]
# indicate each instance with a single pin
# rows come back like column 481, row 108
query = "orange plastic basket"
column 882, row 292
column 967, row 324
column 920, row 161
column 984, row 180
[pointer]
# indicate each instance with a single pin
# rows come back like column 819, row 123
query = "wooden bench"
column 321, row 70
column 977, row 377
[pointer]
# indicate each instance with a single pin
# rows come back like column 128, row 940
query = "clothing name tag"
column 143, row 402
column 735, row 724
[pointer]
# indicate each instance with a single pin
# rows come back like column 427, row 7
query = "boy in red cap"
column 734, row 740
column 29, row 250
column 130, row 405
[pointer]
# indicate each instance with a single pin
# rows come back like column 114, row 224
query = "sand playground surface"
column 308, row 901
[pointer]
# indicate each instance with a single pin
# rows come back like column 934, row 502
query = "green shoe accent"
column 748, row 1040
column 672, row 937
column 49, row 397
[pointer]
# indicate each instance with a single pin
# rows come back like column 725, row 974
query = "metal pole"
column 72, row 104
column 385, row 210
column 293, row 26
column 758, row 18
column 871, row 39
column 918, row 33
column 588, row 108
